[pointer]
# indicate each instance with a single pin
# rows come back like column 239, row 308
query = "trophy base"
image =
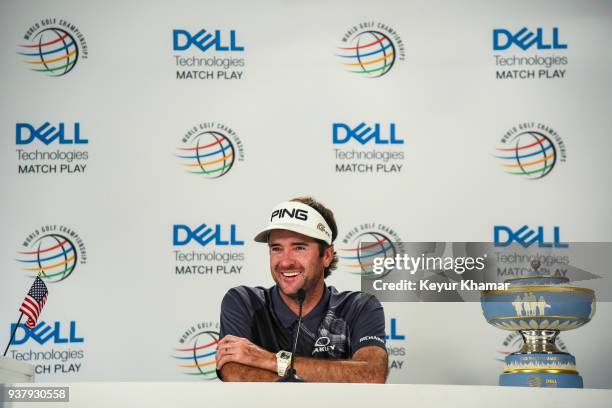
column 541, row 370
column 543, row 380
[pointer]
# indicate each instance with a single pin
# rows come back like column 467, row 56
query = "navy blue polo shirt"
column 340, row 324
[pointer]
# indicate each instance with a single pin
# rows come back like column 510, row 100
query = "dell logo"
column 26, row 134
column 525, row 236
column 204, row 235
column 363, row 134
column 525, row 39
column 42, row 333
column 183, row 40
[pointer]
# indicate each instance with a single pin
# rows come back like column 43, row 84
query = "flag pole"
column 12, row 335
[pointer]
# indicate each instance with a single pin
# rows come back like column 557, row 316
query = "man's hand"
column 240, row 350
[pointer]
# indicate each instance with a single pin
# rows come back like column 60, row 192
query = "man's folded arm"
column 368, row 365
column 243, row 373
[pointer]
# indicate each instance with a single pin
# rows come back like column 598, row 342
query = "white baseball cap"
column 297, row 217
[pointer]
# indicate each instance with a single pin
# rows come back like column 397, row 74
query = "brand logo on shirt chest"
column 322, row 345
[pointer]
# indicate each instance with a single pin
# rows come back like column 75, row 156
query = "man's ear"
column 328, row 256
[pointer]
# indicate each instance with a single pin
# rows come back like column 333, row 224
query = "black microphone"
column 291, row 375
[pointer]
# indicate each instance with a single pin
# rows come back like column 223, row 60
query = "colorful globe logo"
column 372, row 54
column 211, row 154
column 199, row 359
column 53, row 51
column 534, row 381
column 531, row 155
column 55, row 258
column 358, row 259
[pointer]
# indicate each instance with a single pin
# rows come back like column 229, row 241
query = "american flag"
column 34, row 301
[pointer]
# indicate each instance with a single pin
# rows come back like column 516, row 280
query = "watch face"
column 285, row 355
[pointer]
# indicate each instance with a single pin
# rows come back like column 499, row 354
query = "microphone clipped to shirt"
column 301, row 296
column 291, row 375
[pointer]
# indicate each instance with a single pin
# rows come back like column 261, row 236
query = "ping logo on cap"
column 297, row 217
column 293, row 213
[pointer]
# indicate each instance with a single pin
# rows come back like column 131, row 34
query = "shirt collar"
column 286, row 315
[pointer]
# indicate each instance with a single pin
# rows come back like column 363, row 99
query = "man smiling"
column 342, row 337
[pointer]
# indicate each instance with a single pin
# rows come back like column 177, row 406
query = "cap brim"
column 263, row 235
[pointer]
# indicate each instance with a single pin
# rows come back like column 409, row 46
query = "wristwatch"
column 283, row 358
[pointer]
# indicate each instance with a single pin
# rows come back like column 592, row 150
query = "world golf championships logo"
column 53, row 255
column 365, row 243
column 372, row 54
column 530, row 153
column 210, row 150
column 370, row 49
column 53, row 48
column 198, row 358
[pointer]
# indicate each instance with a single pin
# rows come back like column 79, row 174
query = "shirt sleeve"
column 369, row 328
column 236, row 319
